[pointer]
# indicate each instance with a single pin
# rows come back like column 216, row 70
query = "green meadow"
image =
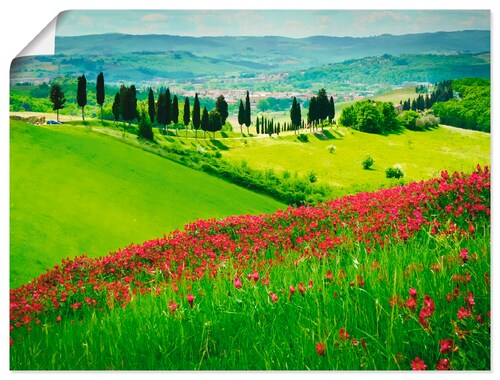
column 74, row 192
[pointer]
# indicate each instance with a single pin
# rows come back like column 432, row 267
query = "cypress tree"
column 161, row 116
column 241, row 116
column 293, row 111
column 57, row 98
column 222, row 108
column 257, row 125
column 115, row 108
column 81, row 94
column 128, row 103
column 248, row 117
column 133, row 99
column 323, row 106
column 151, row 105
column 168, row 108
column 186, row 116
column 204, row 122
column 196, row 114
column 332, row 110
column 175, row 113
column 99, row 91
column 312, row 115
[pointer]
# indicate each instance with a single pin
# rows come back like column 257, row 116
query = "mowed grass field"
column 75, row 192
column 422, row 155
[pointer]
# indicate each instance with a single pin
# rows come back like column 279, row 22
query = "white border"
column 23, row 20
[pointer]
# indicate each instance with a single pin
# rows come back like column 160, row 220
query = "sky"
column 289, row 23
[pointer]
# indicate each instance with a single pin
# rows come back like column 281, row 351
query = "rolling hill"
column 91, row 194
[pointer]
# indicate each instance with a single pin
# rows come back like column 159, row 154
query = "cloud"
column 153, row 17
column 85, row 21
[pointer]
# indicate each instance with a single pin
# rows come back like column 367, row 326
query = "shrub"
column 368, row 162
column 331, row 148
column 312, row 176
column 395, row 172
column 409, row 119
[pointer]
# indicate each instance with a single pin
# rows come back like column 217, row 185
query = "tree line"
column 164, row 111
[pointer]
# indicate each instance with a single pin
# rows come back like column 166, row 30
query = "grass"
column 91, row 194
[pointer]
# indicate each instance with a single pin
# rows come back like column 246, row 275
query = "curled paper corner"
column 44, row 43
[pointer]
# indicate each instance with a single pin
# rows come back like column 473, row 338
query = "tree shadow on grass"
column 218, row 145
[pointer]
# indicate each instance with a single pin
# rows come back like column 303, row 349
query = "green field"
column 422, row 155
column 74, row 191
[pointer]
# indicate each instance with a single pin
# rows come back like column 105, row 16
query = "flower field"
column 397, row 279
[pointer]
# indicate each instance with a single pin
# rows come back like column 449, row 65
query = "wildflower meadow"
column 397, row 279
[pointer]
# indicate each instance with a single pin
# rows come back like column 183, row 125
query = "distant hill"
column 229, row 62
column 281, row 51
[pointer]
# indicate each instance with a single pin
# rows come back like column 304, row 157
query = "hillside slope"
column 92, row 194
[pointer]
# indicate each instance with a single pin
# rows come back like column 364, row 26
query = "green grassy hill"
column 75, row 192
column 422, row 155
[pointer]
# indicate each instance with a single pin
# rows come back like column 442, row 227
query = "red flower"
column 446, row 345
column 190, row 299
column 463, row 313
column 253, row 276
column 58, row 319
column 329, row 275
column 418, row 364
column 302, row 290
column 292, row 290
column 237, row 283
column 320, row 349
column 411, row 304
column 413, row 292
column 343, row 333
column 443, row 365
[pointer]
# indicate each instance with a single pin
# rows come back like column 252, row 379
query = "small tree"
column 81, row 94
column 145, row 128
column 222, row 108
column 214, row 121
column 57, row 98
column 331, row 114
column 368, row 162
column 99, row 91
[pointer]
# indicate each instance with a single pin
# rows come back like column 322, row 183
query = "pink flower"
column 464, row 255
column 463, row 313
column 470, row 300
column 237, row 283
column 253, row 276
column 329, row 275
column 190, row 299
column 429, row 303
column 413, row 292
column 418, row 364
column 446, row 345
column 320, row 349
column 58, row 319
column 172, row 306
column 411, row 304
column 274, row 297
column 443, row 365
